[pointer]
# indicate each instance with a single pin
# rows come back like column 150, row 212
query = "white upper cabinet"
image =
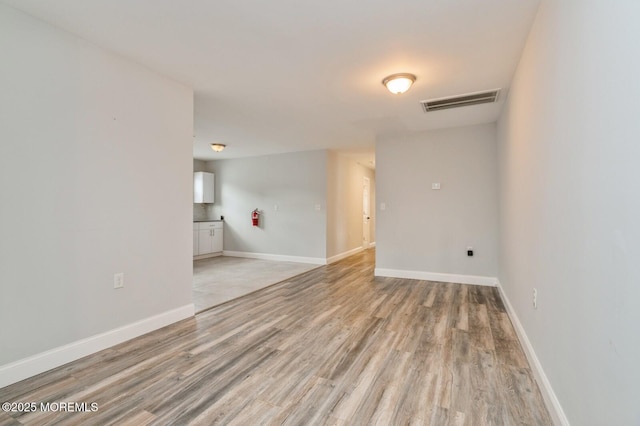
column 203, row 187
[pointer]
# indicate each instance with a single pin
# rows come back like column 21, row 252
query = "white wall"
column 427, row 230
column 344, row 194
column 95, row 178
column 569, row 189
column 295, row 182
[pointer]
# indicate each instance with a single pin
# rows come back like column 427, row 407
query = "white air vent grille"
column 460, row 100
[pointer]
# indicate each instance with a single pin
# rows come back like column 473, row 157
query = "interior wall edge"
column 437, row 277
column 277, row 257
column 550, row 398
column 344, row 255
column 39, row 363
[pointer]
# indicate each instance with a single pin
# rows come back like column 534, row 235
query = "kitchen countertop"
column 207, row 220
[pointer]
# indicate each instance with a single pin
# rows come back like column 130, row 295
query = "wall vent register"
column 468, row 99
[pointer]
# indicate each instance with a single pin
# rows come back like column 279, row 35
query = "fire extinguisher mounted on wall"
column 255, row 217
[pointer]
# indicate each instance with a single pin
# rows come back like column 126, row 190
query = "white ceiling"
column 291, row 75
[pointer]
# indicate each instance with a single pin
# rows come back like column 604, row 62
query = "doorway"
column 366, row 212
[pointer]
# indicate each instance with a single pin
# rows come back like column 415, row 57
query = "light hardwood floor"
column 331, row 346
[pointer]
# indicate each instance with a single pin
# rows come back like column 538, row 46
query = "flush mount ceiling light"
column 399, row 83
column 217, row 147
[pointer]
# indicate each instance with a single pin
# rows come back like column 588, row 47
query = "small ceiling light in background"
column 218, row 147
column 399, row 83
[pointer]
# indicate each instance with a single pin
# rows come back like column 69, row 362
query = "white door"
column 366, row 212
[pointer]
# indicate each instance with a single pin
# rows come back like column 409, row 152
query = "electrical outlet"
column 535, row 298
column 469, row 251
column 383, row 206
column 118, row 280
column 317, row 207
column 275, row 207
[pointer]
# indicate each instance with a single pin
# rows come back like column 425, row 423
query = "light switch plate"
column 435, row 185
column 118, row 280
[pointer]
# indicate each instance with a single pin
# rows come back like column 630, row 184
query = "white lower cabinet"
column 218, row 235
column 196, row 249
column 210, row 238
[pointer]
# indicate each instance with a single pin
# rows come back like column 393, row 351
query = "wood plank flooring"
column 332, row 346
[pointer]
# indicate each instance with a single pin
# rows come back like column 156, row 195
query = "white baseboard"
column 344, row 255
column 550, row 398
column 277, row 257
column 36, row 364
column 373, row 244
column 436, row 276
column 207, row 256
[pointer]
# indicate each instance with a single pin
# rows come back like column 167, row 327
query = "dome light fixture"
column 399, row 83
column 218, row 147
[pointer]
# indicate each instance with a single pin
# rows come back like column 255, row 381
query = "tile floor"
column 219, row 279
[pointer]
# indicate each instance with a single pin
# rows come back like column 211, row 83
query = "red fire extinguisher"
column 255, row 217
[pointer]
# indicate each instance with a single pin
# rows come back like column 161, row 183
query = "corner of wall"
column 550, row 398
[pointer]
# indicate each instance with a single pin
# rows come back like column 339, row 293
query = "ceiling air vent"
column 460, row 101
